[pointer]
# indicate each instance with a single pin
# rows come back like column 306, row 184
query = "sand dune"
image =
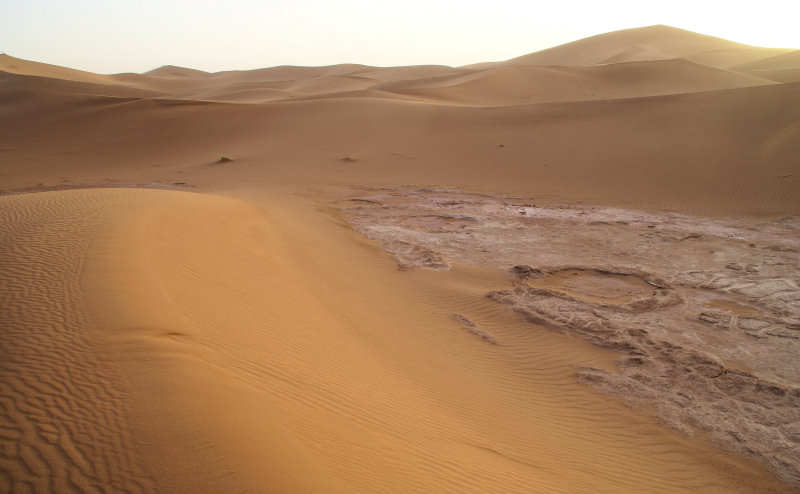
column 781, row 68
column 505, row 83
column 173, row 71
column 331, row 84
column 243, row 359
column 272, row 84
column 38, row 84
column 647, row 44
column 13, row 65
column 719, row 152
column 513, row 85
column 176, row 323
column 64, row 425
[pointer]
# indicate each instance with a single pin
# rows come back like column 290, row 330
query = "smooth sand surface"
column 173, row 323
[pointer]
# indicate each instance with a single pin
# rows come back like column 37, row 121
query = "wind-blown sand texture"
column 702, row 312
column 614, row 215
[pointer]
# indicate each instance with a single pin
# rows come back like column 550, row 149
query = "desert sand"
column 572, row 271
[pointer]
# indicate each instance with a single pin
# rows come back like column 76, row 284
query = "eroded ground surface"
column 703, row 311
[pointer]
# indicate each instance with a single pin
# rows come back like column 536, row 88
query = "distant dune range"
column 237, row 335
column 650, row 117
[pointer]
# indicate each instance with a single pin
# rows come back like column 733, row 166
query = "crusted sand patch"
column 702, row 311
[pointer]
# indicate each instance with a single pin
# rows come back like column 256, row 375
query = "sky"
column 111, row 36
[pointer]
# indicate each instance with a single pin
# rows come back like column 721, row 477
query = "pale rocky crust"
column 704, row 312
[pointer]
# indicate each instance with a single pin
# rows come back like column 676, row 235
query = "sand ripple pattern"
column 61, row 423
column 713, row 347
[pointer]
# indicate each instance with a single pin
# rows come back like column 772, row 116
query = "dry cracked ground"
column 703, row 312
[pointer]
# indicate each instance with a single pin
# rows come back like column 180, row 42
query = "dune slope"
column 521, row 84
column 782, row 68
column 717, row 152
column 230, row 358
column 64, row 426
column 649, row 43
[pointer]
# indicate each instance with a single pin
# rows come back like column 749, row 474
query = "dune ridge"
column 63, row 421
column 649, row 43
column 735, row 66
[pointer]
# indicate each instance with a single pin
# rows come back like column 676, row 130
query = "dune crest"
column 63, row 419
column 647, row 44
column 523, row 80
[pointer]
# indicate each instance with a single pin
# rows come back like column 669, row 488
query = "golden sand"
column 172, row 322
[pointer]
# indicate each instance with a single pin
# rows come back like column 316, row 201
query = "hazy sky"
column 109, row 36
